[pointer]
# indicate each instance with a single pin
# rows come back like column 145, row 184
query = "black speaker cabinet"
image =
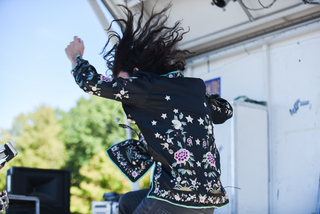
column 51, row 186
column 20, row 204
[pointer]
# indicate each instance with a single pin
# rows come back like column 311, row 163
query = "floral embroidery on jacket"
column 184, row 179
column 131, row 157
column 180, row 140
column 188, row 197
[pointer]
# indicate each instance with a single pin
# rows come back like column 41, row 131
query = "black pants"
column 136, row 202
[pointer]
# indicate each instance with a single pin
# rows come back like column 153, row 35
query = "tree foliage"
column 88, row 129
column 37, row 140
column 102, row 176
column 77, row 140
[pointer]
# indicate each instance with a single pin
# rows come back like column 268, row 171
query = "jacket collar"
column 173, row 74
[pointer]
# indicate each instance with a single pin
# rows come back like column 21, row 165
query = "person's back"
column 175, row 120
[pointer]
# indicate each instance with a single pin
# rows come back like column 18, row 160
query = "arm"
column 91, row 82
column 133, row 90
column 221, row 110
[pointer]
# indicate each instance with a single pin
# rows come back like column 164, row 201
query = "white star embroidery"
column 153, row 122
column 198, row 141
column 167, row 98
column 164, row 116
column 198, row 164
column 157, row 135
column 205, row 104
column 200, row 121
column 189, row 119
column 175, row 111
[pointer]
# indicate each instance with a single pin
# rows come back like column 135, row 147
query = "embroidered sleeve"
column 131, row 157
column 133, row 90
column 221, row 110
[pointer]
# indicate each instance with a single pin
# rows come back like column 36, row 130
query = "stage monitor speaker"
column 51, row 186
column 20, row 204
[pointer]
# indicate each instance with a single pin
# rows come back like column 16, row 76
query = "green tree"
column 76, row 140
column 88, row 129
column 102, row 176
column 36, row 137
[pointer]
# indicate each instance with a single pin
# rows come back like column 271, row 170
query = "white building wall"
column 280, row 71
column 295, row 74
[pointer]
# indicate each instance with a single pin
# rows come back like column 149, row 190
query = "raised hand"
column 75, row 48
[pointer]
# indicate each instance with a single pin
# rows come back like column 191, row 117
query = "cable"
column 308, row 2
column 262, row 6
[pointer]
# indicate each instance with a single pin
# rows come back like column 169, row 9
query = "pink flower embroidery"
column 210, row 159
column 182, row 156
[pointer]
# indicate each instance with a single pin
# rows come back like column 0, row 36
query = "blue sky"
column 34, row 68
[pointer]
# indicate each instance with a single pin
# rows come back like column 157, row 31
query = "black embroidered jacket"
column 176, row 119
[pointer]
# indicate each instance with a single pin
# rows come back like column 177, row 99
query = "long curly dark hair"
column 151, row 47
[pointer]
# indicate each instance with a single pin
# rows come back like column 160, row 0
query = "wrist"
column 73, row 64
column 75, row 60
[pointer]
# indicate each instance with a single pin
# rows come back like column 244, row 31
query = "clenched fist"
column 75, row 48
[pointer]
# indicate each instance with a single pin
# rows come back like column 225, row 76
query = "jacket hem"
column 186, row 206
